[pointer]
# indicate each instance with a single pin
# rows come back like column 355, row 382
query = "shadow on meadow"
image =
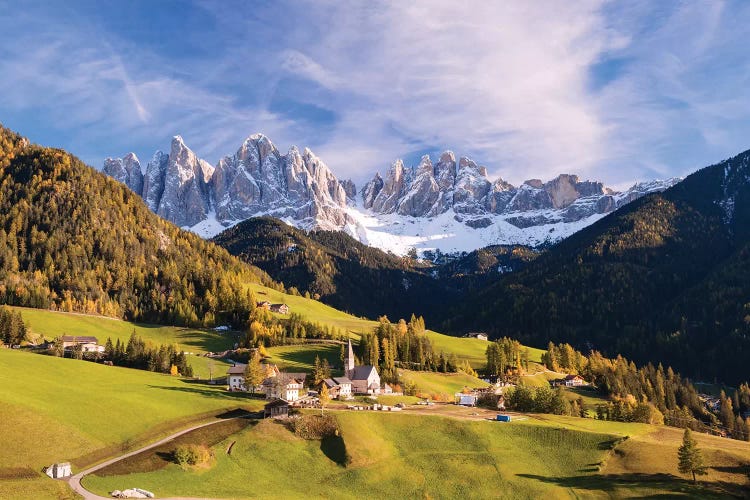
column 201, row 388
column 669, row 484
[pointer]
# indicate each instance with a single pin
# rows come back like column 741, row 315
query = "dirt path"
column 75, row 481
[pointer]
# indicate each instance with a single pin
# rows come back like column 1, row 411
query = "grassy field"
column 408, row 456
column 440, row 383
column 302, row 357
column 382, row 456
column 50, row 324
column 55, row 409
column 465, row 348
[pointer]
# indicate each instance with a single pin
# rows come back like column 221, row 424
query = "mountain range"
column 450, row 206
column 665, row 278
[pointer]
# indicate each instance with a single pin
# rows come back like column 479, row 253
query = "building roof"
column 329, row 382
column 276, row 403
column 342, row 380
column 362, row 372
column 81, row 339
column 238, row 369
column 573, row 377
column 286, row 379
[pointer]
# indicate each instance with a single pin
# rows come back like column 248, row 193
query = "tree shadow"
column 334, row 448
column 209, row 391
column 670, row 484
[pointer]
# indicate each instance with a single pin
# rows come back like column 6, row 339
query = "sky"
column 611, row 91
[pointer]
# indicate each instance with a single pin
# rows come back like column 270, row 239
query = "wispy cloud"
column 611, row 91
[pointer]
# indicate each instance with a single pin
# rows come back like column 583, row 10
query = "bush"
column 191, row 454
column 315, row 426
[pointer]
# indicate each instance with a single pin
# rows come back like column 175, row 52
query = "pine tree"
column 690, row 460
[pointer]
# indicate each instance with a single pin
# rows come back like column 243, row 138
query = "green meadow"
column 408, row 456
column 56, row 409
column 51, row 324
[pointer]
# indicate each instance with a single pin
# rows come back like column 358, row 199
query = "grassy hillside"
column 51, row 324
column 409, row 456
column 55, row 409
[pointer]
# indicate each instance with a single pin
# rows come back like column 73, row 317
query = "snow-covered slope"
column 451, row 206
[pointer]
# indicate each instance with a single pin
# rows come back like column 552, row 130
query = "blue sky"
column 614, row 91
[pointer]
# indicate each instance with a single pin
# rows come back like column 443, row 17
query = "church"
column 365, row 379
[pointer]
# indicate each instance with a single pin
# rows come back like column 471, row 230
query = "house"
column 279, row 308
column 387, row 389
column 569, row 381
column 467, row 399
column 365, row 379
column 477, row 335
column 264, row 305
column 285, row 386
column 56, row 471
column 276, row 408
column 72, row 341
column 338, row 387
column 236, row 377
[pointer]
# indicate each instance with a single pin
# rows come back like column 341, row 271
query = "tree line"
column 13, row 330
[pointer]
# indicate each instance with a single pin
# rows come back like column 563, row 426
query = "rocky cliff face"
column 126, row 170
column 256, row 180
column 428, row 191
column 441, row 201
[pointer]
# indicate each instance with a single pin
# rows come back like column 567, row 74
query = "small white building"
column 57, row 471
column 345, row 387
column 236, row 378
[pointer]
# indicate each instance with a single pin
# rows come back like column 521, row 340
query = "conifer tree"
column 690, row 459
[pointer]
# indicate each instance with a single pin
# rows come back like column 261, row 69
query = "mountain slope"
column 365, row 281
column 449, row 206
column 665, row 278
column 73, row 239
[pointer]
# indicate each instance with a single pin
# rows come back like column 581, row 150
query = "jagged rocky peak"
column 445, row 170
column 185, row 198
column 350, row 189
column 370, row 190
column 394, row 186
column 423, row 192
column 566, row 188
column 126, row 170
column 153, row 180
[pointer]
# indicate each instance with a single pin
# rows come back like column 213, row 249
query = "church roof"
column 362, row 372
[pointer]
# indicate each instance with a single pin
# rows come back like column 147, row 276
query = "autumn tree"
column 324, row 397
column 254, row 372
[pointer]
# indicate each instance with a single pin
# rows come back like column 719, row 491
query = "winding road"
column 75, row 481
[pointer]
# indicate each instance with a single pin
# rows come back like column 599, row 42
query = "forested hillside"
column 344, row 273
column 73, row 239
column 667, row 278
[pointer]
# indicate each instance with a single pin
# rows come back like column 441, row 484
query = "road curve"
column 75, row 481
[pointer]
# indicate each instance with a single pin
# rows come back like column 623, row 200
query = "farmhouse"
column 338, row 387
column 568, row 381
column 283, row 386
column 87, row 343
column 276, row 408
column 279, row 308
column 477, row 335
column 264, row 305
column 236, row 377
column 365, row 378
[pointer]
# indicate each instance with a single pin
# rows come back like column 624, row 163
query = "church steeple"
column 349, row 367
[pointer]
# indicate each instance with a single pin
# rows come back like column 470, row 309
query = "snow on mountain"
column 451, row 206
